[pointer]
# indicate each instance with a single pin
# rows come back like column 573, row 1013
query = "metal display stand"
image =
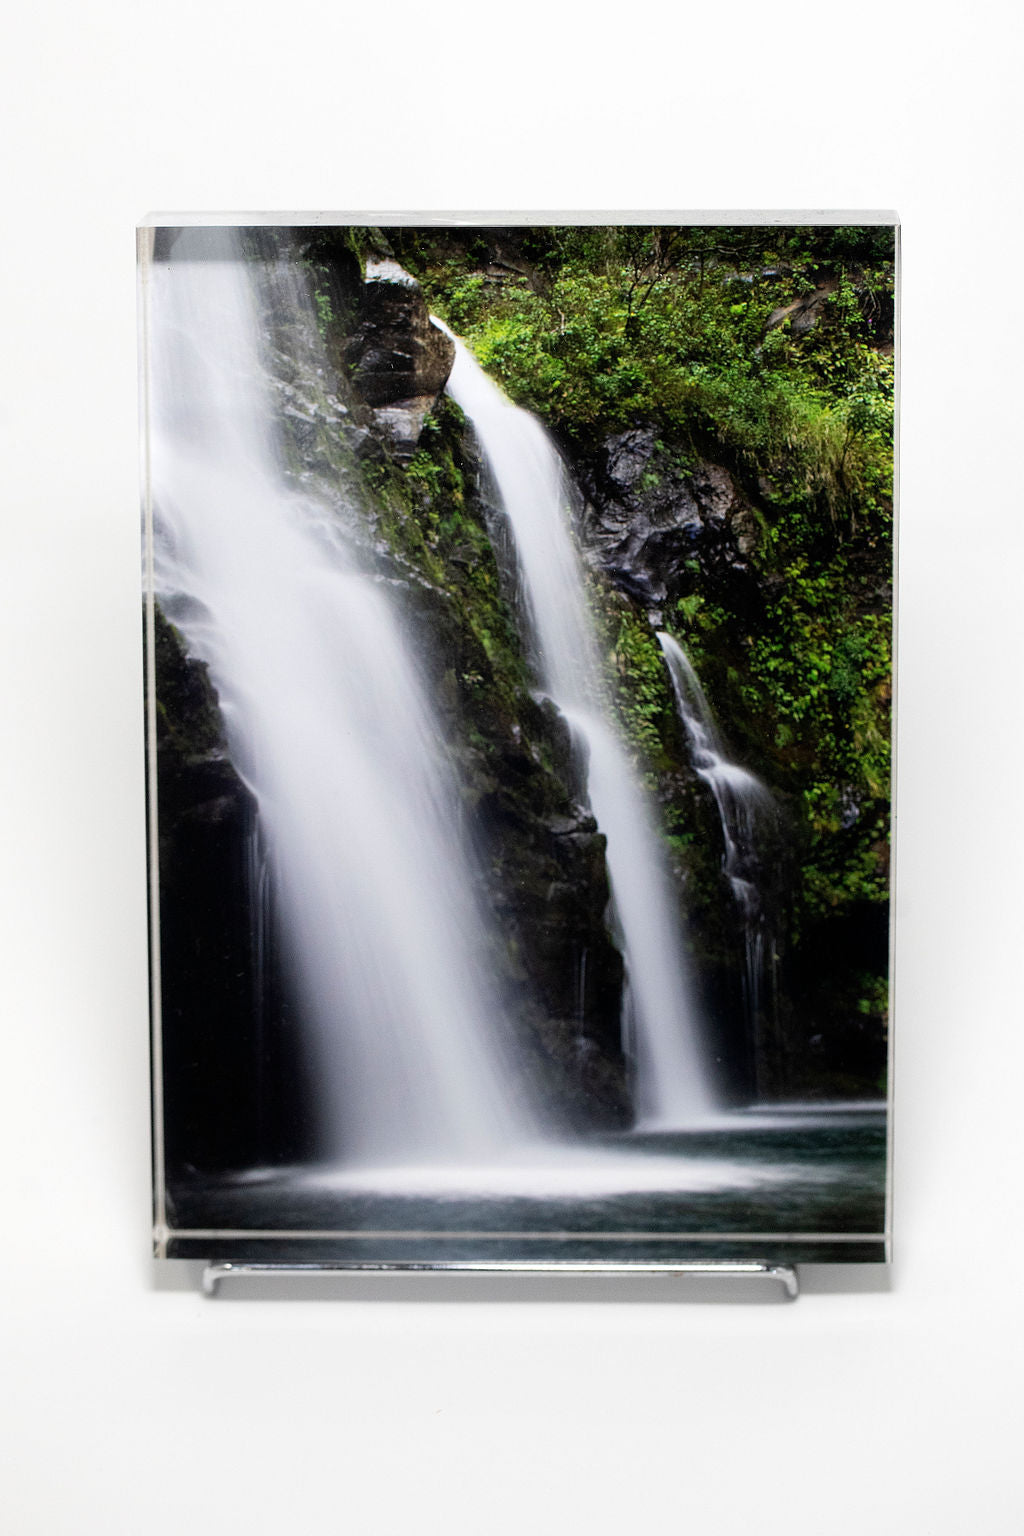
column 786, row 1274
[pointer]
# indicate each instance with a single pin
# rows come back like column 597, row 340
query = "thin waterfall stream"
column 672, row 1087
column 745, row 809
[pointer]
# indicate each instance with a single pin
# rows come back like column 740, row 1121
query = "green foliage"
column 603, row 327
column 689, row 607
column 324, row 311
column 426, row 517
column 640, row 682
column 694, row 332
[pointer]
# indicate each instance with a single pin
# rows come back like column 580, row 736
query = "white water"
column 744, row 809
column 671, row 1079
column 328, row 723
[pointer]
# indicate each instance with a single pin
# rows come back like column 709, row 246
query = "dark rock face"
column 550, row 895
column 398, row 360
column 829, row 1031
column 234, row 1091
column 541, row 858
column 547, row 877
column 659, row 529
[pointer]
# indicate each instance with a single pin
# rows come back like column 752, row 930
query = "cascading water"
column 328, row 724
column 672, row 1087
column 745, row 808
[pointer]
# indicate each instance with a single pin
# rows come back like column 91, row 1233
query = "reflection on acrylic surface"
column 470, row 921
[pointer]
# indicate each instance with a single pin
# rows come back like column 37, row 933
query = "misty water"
column 672, row 1077
column 329, row 725
column 421, row 1122
column 746, row 811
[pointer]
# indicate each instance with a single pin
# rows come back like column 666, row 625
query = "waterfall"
column 671, row 1079
column 329, row 725
column 745, row 808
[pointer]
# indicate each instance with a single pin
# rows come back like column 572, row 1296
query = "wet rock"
column 398, row 360
column 628, row 456
column 656, row 524
column 542, row 860
column 361, row 442
column 232, row 1077
column 189, row 728
column 401, row 423
column 549, row 885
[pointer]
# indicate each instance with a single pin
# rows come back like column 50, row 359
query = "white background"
column 132, row 1409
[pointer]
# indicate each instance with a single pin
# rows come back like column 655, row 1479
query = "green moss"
column 425, row 514
column 642, row 689
column 604, row 328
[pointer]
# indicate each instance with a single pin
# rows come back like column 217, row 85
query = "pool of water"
column 789, row 1183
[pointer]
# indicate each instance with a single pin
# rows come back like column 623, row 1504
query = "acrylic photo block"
column 518, row 614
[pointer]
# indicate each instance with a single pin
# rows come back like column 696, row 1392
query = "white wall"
column 127, row 1408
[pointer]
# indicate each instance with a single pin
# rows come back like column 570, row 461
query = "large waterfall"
column 672, row 1087
column 745, row 810
column 328, row 723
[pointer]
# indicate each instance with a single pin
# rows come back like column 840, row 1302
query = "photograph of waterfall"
column 518, row 622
